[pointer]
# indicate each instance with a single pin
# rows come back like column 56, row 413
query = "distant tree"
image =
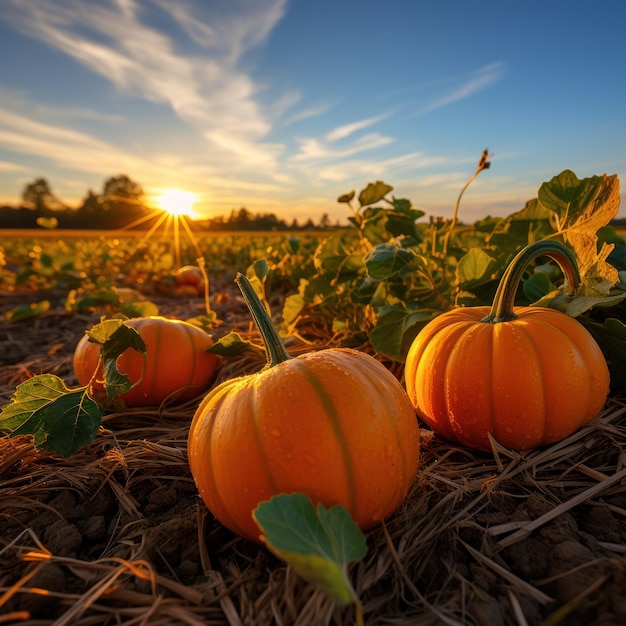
column 92, row 203
column 38, row 196
column 121, row 189
column 325, row 221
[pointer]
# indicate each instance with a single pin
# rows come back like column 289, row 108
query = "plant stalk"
column 274, row 347
column 483, row 164
column 502, row 309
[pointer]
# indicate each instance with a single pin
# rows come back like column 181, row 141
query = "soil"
column 116, row 533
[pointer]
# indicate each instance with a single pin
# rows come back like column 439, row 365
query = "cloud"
column 206, row 90
column 341, row 132
column 11, row 167
column 312, row 149
column 485, row 77
column 363, row 169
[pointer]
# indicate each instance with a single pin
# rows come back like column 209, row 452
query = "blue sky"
column 283, row 105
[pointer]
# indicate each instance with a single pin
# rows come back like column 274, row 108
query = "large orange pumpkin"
column 177, row 365
column 334, row 424
column 530, row 376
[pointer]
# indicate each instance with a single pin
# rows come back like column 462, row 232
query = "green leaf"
column 395, row 330
column 319, row 543
column 474, row 267
column 331, row 256
column 292, row 307
column 115, row 337
column 61, row 420
column 611, row 337
column 386, row 260
column 206, row 321
column 27, row 311
column 559, row 193
column 537, row 286
column 140, row 308
column 374, row 192
column 261, row 269
column 232, row 344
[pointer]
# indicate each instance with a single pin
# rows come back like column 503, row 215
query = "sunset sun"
column 177, row 202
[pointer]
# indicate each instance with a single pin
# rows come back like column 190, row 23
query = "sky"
column 281, row 106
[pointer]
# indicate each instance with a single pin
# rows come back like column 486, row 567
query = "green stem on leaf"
column 276, row 351
column 504, row 300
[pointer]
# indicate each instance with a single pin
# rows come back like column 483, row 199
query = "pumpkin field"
column 409, row 420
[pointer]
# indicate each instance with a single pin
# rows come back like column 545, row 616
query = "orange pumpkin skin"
column 335, row 425
column 529, row 381
column 189, row 281
column 177, row 365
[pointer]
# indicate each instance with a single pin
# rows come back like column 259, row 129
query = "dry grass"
column 501, row 538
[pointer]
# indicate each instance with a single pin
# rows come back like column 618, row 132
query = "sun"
column 177, row 202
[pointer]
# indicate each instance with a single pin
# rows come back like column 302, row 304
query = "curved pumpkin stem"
column 276, row 351
column 504, row 300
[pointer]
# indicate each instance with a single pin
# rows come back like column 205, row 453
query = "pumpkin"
column 177, row 365
column 334, row 424
column 189, row 281
column 529, row 375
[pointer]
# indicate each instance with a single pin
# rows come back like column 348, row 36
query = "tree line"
column 122, row 205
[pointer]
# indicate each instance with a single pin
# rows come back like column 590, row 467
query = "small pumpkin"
column 177, row 365
column 334, row 424
column 530, row 376
column 189, row 281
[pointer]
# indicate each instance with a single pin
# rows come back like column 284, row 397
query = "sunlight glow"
column 177, row 202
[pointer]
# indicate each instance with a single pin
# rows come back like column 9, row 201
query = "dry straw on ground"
column 116, row 534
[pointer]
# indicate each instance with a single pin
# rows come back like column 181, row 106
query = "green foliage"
column 60, row 420
column 319, row 543
column 390, row 275
column 115, row 337
column 63, row 420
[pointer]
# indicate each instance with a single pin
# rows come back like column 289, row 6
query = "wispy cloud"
column 362, row 169
column 483, row 78
column 10, row 167
column 341, row 132
column 313, row 149
column 207, row 91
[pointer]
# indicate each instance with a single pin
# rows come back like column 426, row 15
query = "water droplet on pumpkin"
column 276, row 432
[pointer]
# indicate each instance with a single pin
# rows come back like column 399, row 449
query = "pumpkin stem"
column 276, row 351
column 504, row 300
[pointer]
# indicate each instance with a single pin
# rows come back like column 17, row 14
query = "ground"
column 116, row 533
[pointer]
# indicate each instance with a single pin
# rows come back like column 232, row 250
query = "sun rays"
column 174, row 207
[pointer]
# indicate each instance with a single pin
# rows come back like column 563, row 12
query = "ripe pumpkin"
column 334, row 424
column 177, row 365
column 530, row 376
column 189, row 281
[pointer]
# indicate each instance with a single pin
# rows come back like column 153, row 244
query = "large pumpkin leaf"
column 60, row 420
column 583, row 207
column 319, row 543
